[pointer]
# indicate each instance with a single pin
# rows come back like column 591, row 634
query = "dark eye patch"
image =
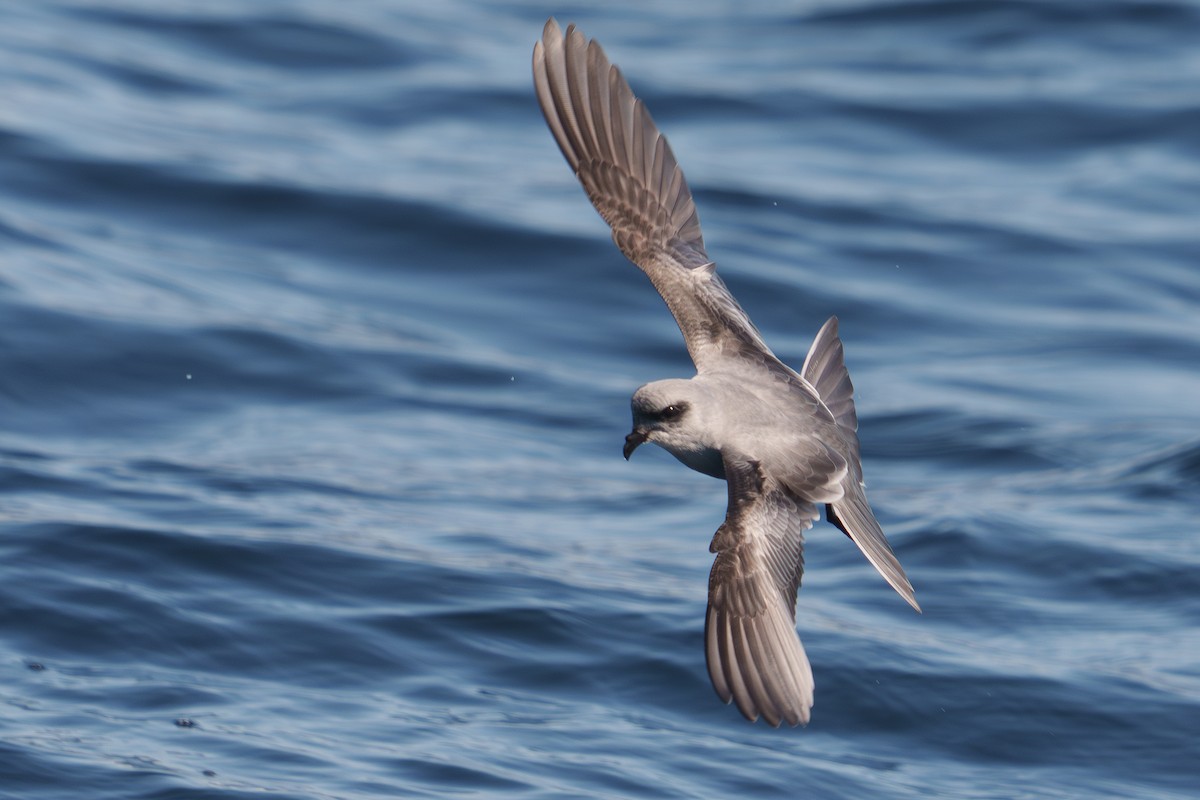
column 673, row 411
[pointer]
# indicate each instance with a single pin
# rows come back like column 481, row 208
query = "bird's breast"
column 706, row 460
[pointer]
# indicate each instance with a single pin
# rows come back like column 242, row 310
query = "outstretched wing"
column 754, row 656
column 630, row 175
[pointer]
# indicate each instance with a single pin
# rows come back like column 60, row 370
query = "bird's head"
column 670, row 414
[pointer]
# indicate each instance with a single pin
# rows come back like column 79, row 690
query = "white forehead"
column 663, row 393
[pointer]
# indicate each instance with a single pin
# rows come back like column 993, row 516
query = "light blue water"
column 315, row 366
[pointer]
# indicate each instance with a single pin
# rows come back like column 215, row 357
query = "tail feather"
column 825, row 369
column 853, row 516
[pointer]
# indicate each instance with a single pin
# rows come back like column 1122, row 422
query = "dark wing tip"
column 611, row 143
column 758, row 664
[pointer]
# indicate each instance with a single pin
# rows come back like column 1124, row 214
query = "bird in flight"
column 785, row 442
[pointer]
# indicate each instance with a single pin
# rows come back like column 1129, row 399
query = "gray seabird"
column 784, row 442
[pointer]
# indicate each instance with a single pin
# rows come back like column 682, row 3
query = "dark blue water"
column 314, row 372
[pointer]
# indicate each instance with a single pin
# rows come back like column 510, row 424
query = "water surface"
column 315, row 366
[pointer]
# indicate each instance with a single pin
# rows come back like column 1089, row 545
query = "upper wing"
column 629, row 173
column 754, row 655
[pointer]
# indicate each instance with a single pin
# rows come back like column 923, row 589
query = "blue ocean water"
column 315, row 366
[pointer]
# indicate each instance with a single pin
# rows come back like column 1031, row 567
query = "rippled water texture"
column 314, row 373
